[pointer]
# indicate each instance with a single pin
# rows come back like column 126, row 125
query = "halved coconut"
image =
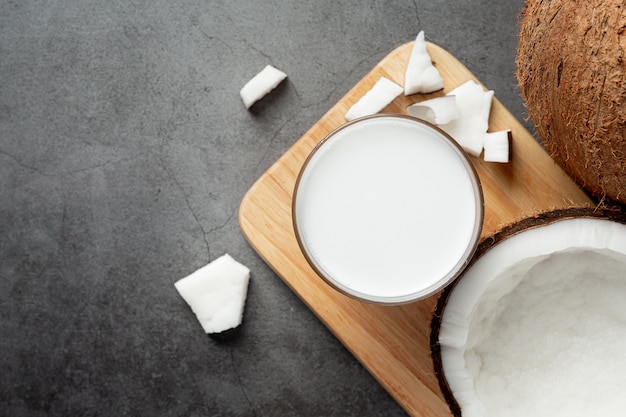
column 536, row 325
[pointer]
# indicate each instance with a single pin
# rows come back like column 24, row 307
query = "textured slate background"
column 125, row 151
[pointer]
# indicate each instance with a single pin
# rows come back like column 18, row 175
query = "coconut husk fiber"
column 571, row 71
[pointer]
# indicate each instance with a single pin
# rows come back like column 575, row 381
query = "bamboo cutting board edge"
column 392, row 342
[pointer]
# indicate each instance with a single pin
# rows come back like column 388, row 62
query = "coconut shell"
column 571, row 71
column 510, row 230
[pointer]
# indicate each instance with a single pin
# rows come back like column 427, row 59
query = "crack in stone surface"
column 417, row 14
column 97, row 166
column 269, row 144
column 221, row 226
column 20, row 163
column 257, row 50
column 216, row 39
column 67, row 173
column 173, row 178
column 240, row 383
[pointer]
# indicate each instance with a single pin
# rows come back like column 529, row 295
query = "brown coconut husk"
column 572, row 74
column 512, row 229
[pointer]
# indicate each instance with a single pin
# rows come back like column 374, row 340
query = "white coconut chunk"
column 497, row 146
column 217, row 293
column 474, row 106
column 440, row 110
column 376, row 99
column 261, row 84
column 467, row 132
column 421, row 76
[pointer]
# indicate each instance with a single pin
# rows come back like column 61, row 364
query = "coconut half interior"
column 537, row 325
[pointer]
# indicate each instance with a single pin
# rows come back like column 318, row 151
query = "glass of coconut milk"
column 387, row 209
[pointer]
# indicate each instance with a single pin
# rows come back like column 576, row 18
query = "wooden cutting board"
column 393, row 342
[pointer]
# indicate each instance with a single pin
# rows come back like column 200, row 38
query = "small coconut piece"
column 217, row 293
column 421, row 76
column 440, row 110
column 474, row 105
column 376, row 99
column 261, row 84
column 498, row 146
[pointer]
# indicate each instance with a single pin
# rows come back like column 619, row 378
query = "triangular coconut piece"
column 375, row 99
column 217, row 293
column 421, row 75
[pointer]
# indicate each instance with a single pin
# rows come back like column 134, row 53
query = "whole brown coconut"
column 572, row 74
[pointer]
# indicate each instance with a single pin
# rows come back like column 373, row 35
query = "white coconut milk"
column 388, row 209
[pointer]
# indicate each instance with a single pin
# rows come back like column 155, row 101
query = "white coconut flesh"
column 216, row 293
column 537, row 325
column 375, row 99
column 474, row 104
column 438, row 111
column 421, row 76
column 261, row 84
column 497, row 146
column 466, row 119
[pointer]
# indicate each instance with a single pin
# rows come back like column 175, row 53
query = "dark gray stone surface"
column 125, row 151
